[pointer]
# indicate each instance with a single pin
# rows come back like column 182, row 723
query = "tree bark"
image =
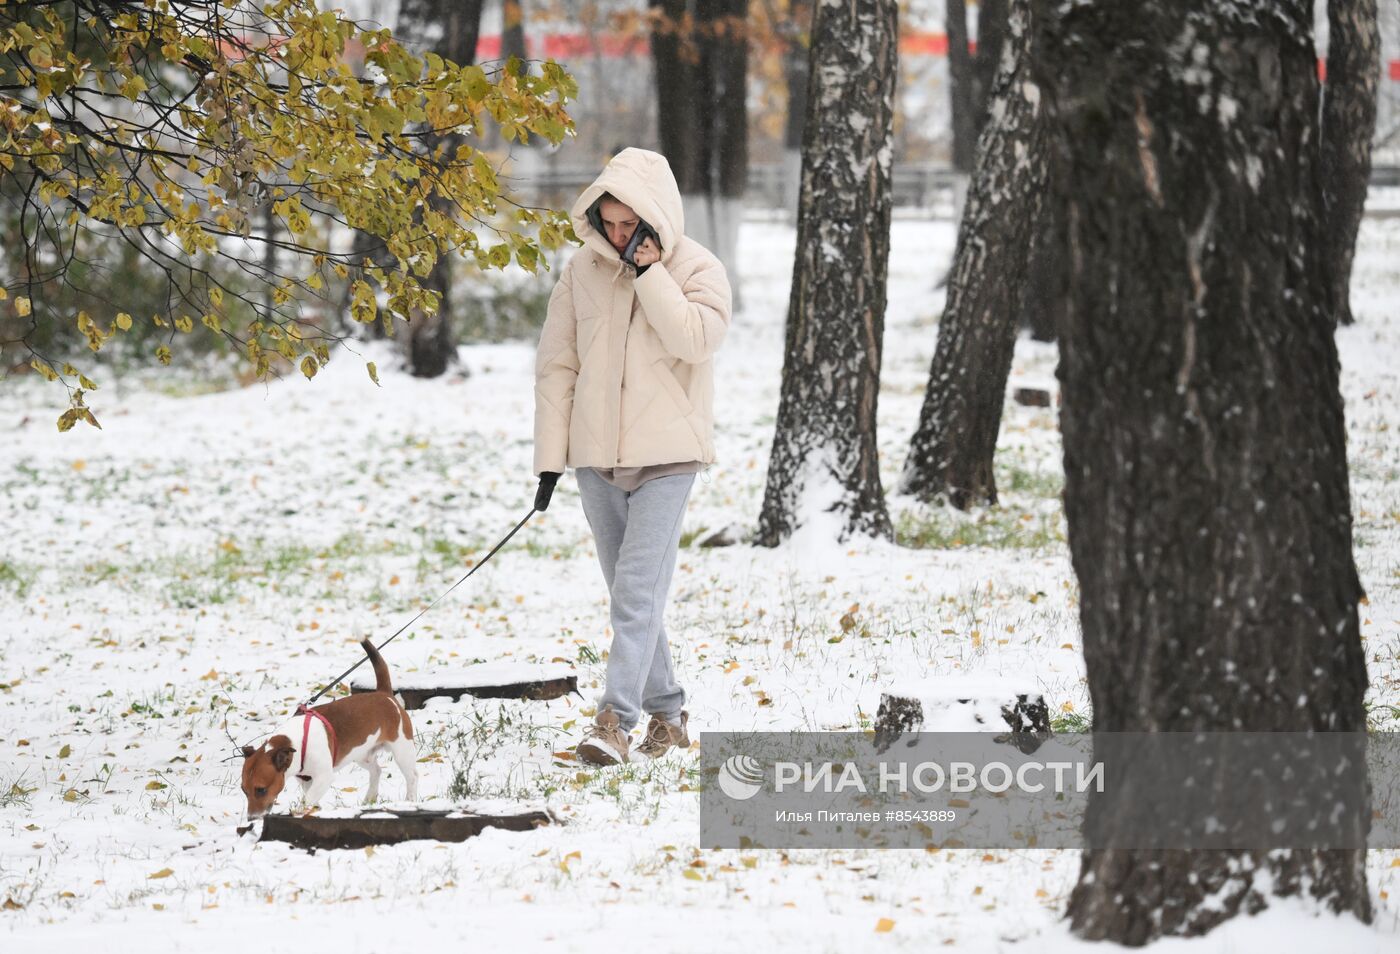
column 702, row 121
column 513, row 33
column 1348, row 125
column 1045, row 297
column 952, row 449
column 986, row 63
column 1205, row 448
column 431, row 343
column 795, row 32
column 824, row 459
column 972, row 76
column 961, row 87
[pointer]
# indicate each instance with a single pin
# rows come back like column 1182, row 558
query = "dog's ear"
column 248, row 751
column 282, row 758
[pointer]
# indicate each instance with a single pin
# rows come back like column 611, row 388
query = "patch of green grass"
column 15, row 792
column 690, row 536
column 542, row 551
column 10, row 576
column 1381, row 717
column 999, row 528
column 1035, row 483
column 1070, row 722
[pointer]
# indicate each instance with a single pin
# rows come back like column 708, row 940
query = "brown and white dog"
column 316, row 742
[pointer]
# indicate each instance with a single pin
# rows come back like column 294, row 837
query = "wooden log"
column 725, row 536
column 386, row 827
column 537, row 681
column 964, row 704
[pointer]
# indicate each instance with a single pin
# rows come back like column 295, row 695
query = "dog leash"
column 338, row 679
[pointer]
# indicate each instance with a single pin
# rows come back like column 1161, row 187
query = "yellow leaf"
column 373, row 372
column 162, row 873
column 22, row 306
column 884, row 925
column 154, row 786
column 123, row 321
column 308, row 367
column 693, row 875
column 79, row 464
column 66, row 751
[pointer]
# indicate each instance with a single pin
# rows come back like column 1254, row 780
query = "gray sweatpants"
column 637, row 534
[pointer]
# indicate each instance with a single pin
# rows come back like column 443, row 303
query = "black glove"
column 547, row 481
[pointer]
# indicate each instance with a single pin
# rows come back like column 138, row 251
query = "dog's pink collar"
column 305, row 733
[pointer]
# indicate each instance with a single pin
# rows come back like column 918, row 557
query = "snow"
column 967, row 703
column 484, row 674
column 212, row 556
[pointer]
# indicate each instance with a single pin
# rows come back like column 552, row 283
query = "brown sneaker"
column 662, row 736
column 604, row 742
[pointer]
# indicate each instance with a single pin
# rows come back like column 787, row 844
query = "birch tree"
column 950, row 454
column 824, row 464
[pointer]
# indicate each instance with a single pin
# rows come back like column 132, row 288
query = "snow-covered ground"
column 210, row 558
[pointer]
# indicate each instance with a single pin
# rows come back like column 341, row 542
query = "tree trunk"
column 1348, row 125
column 961, row 87
column 986, row 64
column 972, row 76
column 1205, row 449
column 431, row 343
column 1046, row 295
column 701, row 116
column 795, row 33
column 824, row 465
column 951, row 452
column 513, row 34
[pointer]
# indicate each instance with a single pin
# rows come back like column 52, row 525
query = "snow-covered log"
column 964, row 704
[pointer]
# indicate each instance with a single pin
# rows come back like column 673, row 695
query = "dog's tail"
column 381, row 671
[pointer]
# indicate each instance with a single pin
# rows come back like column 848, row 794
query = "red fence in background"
column 564, row 46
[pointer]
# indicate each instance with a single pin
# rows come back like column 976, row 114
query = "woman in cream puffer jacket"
column 623, row 372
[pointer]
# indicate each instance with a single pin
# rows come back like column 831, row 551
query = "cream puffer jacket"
column 624, row 375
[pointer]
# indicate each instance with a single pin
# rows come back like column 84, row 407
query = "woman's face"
column 619, row 222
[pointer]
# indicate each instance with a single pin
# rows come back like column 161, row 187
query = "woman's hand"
column 646, row 254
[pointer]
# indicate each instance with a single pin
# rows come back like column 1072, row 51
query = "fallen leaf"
column 162, row 873
column 883, row 925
